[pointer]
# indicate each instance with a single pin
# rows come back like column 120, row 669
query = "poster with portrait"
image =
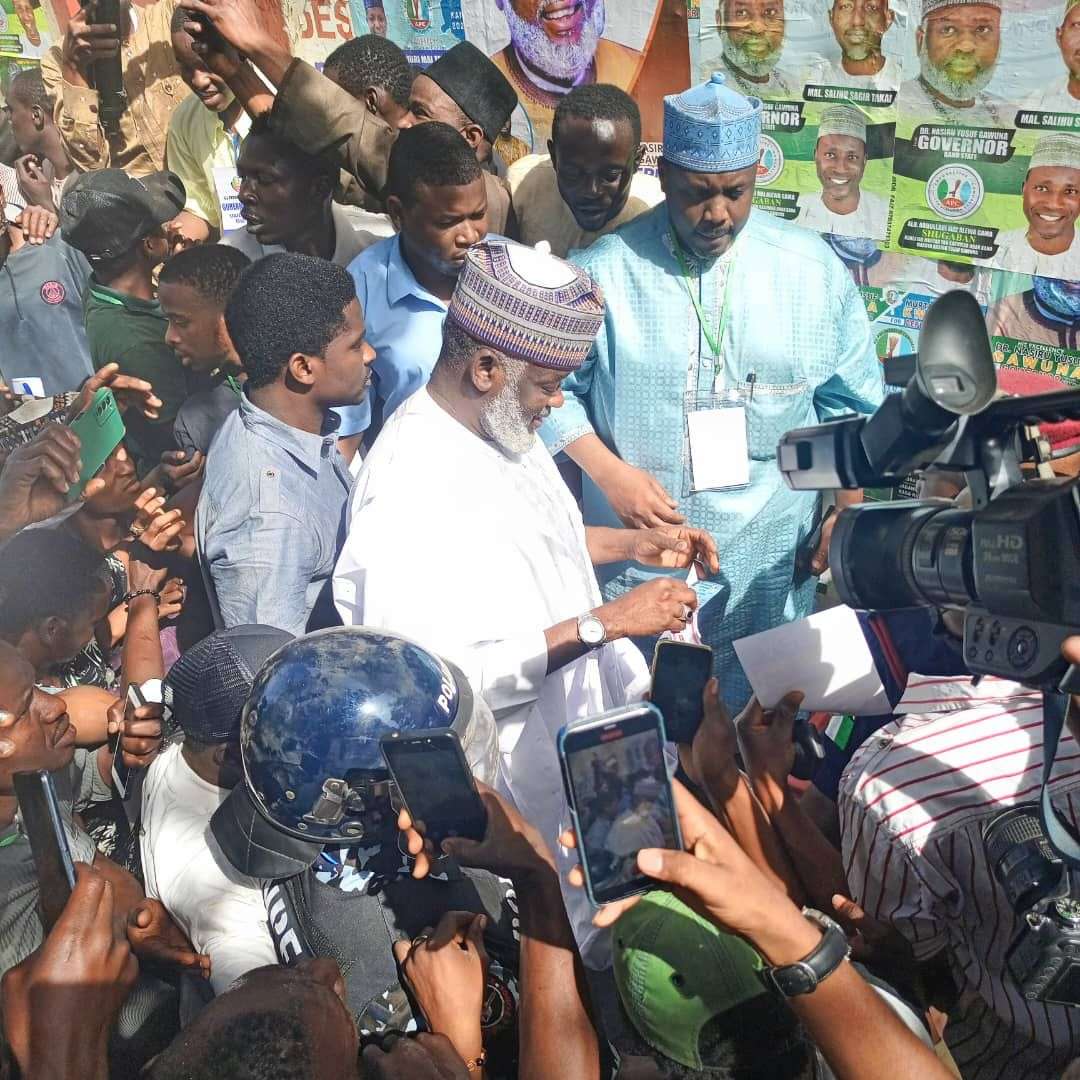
column 899, row 289
column 546, row 47
column 1034, row 332
column 987, row 160
column 828, row 72
column 26, row 29
column 424, row 29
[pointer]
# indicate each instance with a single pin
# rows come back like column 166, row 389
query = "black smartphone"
column 680, row 671
column 43, row 824
column 620, row 796
column 435, row 783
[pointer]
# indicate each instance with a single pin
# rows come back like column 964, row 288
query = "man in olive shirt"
column 117, row 222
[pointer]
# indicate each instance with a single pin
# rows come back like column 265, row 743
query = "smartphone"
column 680, row 671
column 620, row 797
column 100, row 429
column 435, row 782
column 39, row 810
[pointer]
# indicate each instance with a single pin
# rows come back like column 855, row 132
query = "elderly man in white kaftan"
column 724, row 328
column 462, row 534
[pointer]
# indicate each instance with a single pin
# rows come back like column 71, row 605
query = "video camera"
column 1011, row 563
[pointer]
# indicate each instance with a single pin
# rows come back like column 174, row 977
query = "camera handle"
column 1056, row 703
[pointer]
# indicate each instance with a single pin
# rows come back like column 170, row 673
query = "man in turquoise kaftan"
column 778, row 328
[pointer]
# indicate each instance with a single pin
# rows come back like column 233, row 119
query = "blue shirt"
column 404, row 327
column 797, row 348
column 270, row 517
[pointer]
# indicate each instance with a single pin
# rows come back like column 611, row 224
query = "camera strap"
column 1058, row 832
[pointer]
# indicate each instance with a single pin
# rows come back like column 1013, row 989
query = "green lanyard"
column 234, row 386
column 715, row 343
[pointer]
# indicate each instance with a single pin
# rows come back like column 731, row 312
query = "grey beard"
column 860, row 50
column 954, row 90
column 501, row 418
column 757, row 69
column 566, row 62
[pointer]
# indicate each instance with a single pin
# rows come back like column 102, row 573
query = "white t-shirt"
column 870, row 218
column 355, row 230
column 1016, row 254
column 221, row 910
column 832, row 73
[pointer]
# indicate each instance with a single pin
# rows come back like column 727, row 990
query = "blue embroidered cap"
column 712, row 128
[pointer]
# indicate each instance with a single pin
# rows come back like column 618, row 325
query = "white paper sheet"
column 824, row 656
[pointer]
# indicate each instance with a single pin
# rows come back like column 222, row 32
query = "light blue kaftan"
column 797, row 330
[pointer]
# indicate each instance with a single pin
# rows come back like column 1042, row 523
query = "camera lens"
column 901, row 555
column 1023, row 862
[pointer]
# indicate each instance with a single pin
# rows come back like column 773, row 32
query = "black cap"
column 477, row 85
column 211, row 681
column 253, row 845
column 105, row 213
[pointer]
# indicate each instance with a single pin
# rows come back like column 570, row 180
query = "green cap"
column 675, row 971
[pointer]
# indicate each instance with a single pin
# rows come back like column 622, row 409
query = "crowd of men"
column 413, row 436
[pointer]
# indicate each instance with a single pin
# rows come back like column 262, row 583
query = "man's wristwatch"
column 591, row 630
column 803, row 977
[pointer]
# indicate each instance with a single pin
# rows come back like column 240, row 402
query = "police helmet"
column 314, row 772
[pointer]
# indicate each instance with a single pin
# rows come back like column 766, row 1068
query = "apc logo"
column 954, row 191
column 771, row 162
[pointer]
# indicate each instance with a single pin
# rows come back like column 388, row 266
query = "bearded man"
column 752, row 39
column 958, row 43
column 463, row 536
column 556, row 45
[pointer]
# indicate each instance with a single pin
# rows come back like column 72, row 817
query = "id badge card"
column 719, row 454
column 227, row 188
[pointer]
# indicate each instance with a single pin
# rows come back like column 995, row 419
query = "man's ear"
column 51, row 629
column 919, row 35
column 323, row 186
column 395, row 211
column 371, row 100
column 37, row 114
column 485, row 371
column 639, row 156
column 552, row 154
column 473, row 135
column 301, row 369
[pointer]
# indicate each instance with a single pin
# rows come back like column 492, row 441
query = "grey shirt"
column 270, row 518
column 201, row 416
column 20, row 925
column 42, row 328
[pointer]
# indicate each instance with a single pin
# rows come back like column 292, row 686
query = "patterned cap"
column 211, row 681
column 843, row 120
column 528, row 304
column 712, row 128
column 930, row 6
column 1059, row 148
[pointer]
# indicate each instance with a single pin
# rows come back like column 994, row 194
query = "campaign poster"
column 26, row 30
column 827, row 72
column 987, row 160
column 424, row 29
column 546, row 47
column 899, row 289
column 1035, row 338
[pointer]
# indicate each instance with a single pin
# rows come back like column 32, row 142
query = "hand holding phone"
column 43, row 823
column 620, row 797
column 433, row 777
column 679, row 672
column 100, row 429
